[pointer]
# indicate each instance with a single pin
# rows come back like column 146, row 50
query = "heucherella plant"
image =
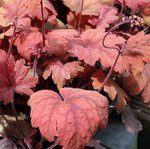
column 68, row 60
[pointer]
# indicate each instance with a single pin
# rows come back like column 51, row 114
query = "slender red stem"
column 43, row 35
column 122, row 6
column 43, row 23
column 112, row 29
column 80, row 16
column 110, row 72
column 75, row 22
column 34, row 66
column 12, row 37
column 109, row 47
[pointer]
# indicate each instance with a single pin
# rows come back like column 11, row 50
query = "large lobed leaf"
column 27, row 47
column 90, row 49
column 73, row 120
column 13, row 78
column 56, row 40
column 137, row 51
column 62, row 72
column 11, row 10
column 14, row 10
